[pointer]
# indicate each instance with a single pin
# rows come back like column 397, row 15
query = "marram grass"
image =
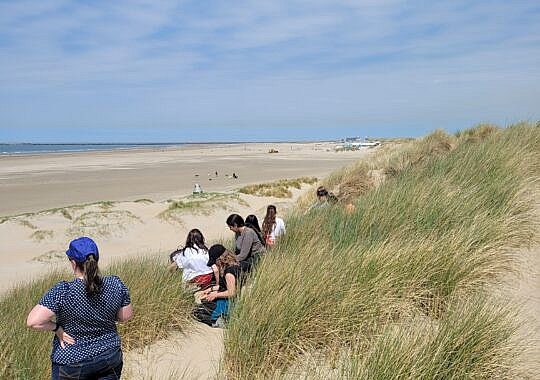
column 389, row 290
column 444, row 223
column 160, row 304
column 278, row 189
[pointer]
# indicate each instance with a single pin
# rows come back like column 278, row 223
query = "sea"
column 28, row 148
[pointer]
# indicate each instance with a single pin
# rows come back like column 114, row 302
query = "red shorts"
column 203, row 280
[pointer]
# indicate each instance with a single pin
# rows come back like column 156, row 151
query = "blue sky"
column 131, row 71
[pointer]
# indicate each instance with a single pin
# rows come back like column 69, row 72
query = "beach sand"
column 121, row 199
column 133, row 187
column 30, row 183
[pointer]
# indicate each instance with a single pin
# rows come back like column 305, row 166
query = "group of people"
column 83, row 312
column 217, row 272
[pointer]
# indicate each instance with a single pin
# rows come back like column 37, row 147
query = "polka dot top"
column 91, row 321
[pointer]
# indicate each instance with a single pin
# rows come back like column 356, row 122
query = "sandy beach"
column 122, row 200
column 30, row 183
column 133, row 187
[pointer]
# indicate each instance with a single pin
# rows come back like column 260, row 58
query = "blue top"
column 91, row 321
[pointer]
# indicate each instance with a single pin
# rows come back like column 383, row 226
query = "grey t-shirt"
column 248, row 244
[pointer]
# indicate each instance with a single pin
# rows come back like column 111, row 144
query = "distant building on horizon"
column 356, row 143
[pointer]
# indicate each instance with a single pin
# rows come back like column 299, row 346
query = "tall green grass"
column 160, row 304
column 444, row 223
column 445, row 349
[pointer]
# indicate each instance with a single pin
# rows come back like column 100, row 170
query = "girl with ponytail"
column 92, row 277
column 273, row 226
column 83, row 313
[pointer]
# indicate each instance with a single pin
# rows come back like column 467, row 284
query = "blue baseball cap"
column 81, row 248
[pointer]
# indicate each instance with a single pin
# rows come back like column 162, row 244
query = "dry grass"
column 101, row 223
column 200, row 204
column 161, row 304
column 278, row 189
column 144, row 200
column 41, row 235
column 481, row 132
column 418, row 247
column 26, row 223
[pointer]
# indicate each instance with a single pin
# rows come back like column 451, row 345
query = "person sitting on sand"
column 273, row 226
column 83, row 313
column 192, row 259
column 248, row 246
column 253, row 223
column 215, row 300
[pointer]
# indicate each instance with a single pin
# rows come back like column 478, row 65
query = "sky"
column 189, row 71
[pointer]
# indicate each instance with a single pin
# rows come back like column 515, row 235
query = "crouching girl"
column 192, row 260
column 214, row 308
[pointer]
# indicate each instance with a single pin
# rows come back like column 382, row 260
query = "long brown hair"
column 253, row 223
column 194, row 239
column 226, row 260
column 92, row 277
column 269, row 220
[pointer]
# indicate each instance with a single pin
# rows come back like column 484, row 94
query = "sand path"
column 527, row 292
column 523, row 291
column 194, row 355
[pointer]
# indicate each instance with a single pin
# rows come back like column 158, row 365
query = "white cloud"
column 288, row 62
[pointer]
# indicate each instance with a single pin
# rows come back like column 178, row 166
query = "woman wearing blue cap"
column 83, row 313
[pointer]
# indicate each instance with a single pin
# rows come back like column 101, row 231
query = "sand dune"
column 122, row 200
column 127, row 214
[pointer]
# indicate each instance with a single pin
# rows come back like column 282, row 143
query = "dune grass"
column 443, row 223
column 40, row 235
column 278, row 189
column 159, row 300
column 199, row 204
column 447, row 349
column 102, row 223
column 391, row 289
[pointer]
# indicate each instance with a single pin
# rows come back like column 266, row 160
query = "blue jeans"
column 105, row 366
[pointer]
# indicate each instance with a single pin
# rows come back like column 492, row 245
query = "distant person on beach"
column 253, row 223
column 273, row 226
column 215, row 300
column 234, row 176
column 248, row 246
column 192, row 260
column 83, row 313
